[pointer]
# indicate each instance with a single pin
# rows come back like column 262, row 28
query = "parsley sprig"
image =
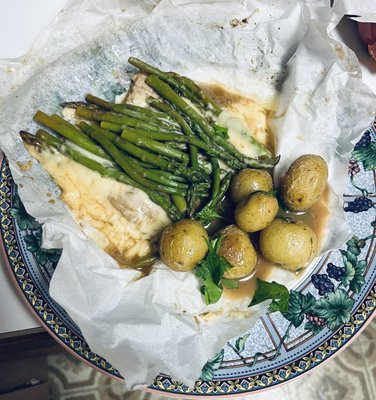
column 211, row 271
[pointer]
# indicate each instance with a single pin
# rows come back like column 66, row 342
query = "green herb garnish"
column 211, row 271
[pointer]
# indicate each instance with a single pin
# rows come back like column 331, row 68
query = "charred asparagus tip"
column 81, row 104
column 30, row 139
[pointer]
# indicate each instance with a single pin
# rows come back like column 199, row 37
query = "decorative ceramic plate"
column 327, row 310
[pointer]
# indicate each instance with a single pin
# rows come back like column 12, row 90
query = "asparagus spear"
column 112, row 136
column 209, row 103
column 146, row 261
column 156, row 135
column 156, row 176
column 51, row 140
column 160, row 176
column 180, row 203
column 183, row 124
column 155, row 146
column 83, row 104
column 173, row 137
column 167, row 165
column 182, row 84
column 122, row 109
column 164, row 90
column 111, row 126
column 209, row 212
column 123, row 120
column 149, row 69
column 91, row 128
column 177, row 178
column 216, row 173
column 149, row 159
column 110, row 172
column 131, row 110
column 62, row 127
column 110, row 106
column 190, row 138
column 131, row 168
column 149, row 174
column 193, row 151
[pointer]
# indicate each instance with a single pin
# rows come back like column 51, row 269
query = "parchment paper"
column 272, row 49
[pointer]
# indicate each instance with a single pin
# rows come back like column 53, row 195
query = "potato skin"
column 248, row 181
column 290, row 244
column 183, row 245
column 304, row 182
column 256, row 212
column 238, row 250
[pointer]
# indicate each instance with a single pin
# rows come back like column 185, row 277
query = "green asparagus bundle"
column 172, row 149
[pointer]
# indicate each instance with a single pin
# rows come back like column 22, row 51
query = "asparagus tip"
column 40, row 116
column 276, row 160
column 30, row 139
column 82, row 104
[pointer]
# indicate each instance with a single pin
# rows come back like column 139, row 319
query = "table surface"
column 33, row 17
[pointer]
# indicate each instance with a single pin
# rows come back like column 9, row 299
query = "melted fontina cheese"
column 125, row 221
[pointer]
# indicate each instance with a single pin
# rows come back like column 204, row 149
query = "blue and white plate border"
column 31, row 277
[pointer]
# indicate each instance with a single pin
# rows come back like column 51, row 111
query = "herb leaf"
column 208, row 214
column 230, row 283
column 211, row 291
column 274, row 291
column 221, row 131
column 211, row 271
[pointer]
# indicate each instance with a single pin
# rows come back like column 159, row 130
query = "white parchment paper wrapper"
column 273, row 49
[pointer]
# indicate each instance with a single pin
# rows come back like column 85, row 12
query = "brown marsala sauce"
column 315, row 217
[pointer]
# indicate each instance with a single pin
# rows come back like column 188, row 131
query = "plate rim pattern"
column 35, row 301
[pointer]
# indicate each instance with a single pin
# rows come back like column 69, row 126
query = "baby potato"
column 183, row 245
column 304, row 182
column 256, row 212
column 292, row 244
column 249, row 181
column 237, row 249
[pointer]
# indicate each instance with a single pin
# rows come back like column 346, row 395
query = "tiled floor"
column 350, row 376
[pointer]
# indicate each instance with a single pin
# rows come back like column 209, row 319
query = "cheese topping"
column 244, row 120
column 124, row 219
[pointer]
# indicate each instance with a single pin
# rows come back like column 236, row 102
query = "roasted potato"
column 256, row 211
column 291, row 244
column 249, row 181
column 237, row 249
column 304, row 182
column 183, row 245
